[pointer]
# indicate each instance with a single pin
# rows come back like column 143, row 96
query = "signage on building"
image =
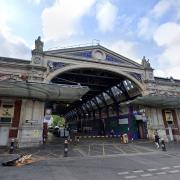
column 48, row 117
column 123, row 121
column 4, row 76
column 7, row 110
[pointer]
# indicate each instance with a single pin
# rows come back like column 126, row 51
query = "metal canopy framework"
column 104, row 86
column 96, row 80
column 158, row 100
column 42, row 91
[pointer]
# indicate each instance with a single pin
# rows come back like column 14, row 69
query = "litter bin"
column 125, row 138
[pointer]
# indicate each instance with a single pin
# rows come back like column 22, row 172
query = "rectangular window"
column 169, row 117
column 6, row 112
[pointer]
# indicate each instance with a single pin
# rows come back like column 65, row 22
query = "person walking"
column 163, row 145
column 157, row 140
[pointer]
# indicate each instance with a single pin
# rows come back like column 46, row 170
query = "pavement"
column 92, row 159
column 90, row 147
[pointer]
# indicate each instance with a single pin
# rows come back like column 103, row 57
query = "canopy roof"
column 42, row 91
column 158, row 100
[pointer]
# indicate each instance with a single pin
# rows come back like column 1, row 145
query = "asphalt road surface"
column 99, row 160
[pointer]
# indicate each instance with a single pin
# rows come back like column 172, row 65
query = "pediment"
column 98, row 53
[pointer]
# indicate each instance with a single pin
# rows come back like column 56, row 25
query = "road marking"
column 159, row 173
column 123, row 173
column 89, row 150
column 163, row 168
column 146, row 175
column 176, row 166
column 135, row 149
column 130, row 177
column 81, row 152
column 138, row 171
column 123, row 152
column 152, row 169
column 174, row 171
column 103, row 149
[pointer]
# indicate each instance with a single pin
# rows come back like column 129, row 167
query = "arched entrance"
column 98, row 111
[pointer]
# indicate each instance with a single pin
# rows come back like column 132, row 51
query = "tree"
column 58, row 121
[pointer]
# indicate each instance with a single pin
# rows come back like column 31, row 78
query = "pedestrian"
column 163, row 145
column 157, row 140
column 112, row 132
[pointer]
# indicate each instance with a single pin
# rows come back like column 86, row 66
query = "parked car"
column 63, row 132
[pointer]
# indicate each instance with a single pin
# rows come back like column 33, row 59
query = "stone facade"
column 26, row 123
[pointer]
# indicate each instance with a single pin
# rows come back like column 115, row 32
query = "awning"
column 42, row 91
column 158, row 100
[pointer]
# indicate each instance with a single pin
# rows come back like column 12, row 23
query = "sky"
column 132, row 28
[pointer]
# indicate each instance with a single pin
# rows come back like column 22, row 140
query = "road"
column 101, row 160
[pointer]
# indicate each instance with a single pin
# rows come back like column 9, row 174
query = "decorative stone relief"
column 98, row 54
column 86, row 54
column 39, row 44
column 137, row 76
column 113, row 59
column 56, row 65
column 145, row 62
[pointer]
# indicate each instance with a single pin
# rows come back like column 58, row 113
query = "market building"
column 94, row 88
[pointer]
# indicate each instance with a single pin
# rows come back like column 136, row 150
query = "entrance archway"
column 99, row 108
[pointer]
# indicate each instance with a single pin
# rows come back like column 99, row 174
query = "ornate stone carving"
column 39, row 44
column 136, row 76
column 113, row 59
column 145, row 63
column 56, row 65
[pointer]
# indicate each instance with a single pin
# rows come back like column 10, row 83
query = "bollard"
column 65, row 148
column 11, row 150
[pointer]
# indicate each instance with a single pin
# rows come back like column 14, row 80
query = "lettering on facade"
column 113, row 59
column 86, row 54
column 4, row 76
column 92, row 54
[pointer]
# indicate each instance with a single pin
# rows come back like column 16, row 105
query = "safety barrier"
column 88, row 137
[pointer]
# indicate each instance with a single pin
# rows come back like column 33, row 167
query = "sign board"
column 138, row 117
column 123, row 121
column 7, row 110
column 48, row 119
column 4, row 76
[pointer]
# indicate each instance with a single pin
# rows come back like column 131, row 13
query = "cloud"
column 146, row 28
column 168, row 36
column 106, row 15
column 62, row 19
column 165, row 34
column 159, row 73
column 125, row 48
column 35, row 1
column 13, row 46
column 148, row 24
column 162, row 7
